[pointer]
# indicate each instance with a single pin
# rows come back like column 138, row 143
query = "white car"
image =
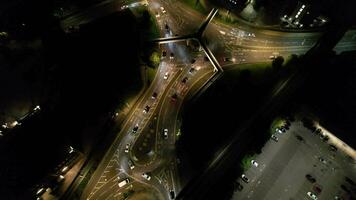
column 163, row 10
column 146, row 176
column 254, row 163
column 312, row 196
column 244, row 178
column 166, row 75
column 165, row 133
column 124, row 182
column 127, row 148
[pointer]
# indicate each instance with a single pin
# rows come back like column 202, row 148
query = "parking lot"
column 284, row 164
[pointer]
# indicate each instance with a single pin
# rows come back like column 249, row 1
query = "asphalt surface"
column 149, row 150
column 283, row 165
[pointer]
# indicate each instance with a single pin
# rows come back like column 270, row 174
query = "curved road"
column 142, row 146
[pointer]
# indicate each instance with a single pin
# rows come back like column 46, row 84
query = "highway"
column 146, row 142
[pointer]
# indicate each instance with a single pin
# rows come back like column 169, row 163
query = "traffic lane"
column 127, row 128
column 176, row 18
column 96, row 11
column 187, row 20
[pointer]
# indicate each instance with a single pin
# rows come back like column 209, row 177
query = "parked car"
column 310, row 178
column 254, row 163
column 244, row 178
column 146, row 176
column 127, row 148
column 130, row 164
column 275, row 138
column 154, row 95
column 312, row 195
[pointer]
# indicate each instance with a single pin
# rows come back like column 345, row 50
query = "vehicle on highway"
column 191, row 70
column 166, row 27
column 147, row 108
column 127, row 148
column 134, row 130
column 124, row 182
column 226, row 59
column 254, row 163
column 310, row 178
column 244, row 178
column 312, row 195
column 154, row 95
column 275, row 138
column 174, row 97
column 164, row 54
column 185, row 79
column 172, row 194
column 338, row 198
column 171, row 55
column 146, row 176
column 165, row 133
column 130, row 164
column 166, row 75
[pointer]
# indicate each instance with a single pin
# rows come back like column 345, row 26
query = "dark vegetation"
column 88, row 74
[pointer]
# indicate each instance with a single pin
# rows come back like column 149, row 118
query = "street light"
column 37, row 108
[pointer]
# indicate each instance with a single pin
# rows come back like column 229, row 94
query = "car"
column 146, row 176
column 135, row 128
column 226, row 59
column 163, row 10
column 312, row 195
column 184, row 80
column 166, row 75
column 164, row 54
column 127, row 148
column 345, row 188
column 124, row 182
column 244, row 178
column 317, row 189
column 254, row 163
column 174, row 97
column 238, row 186
column 321, row 159
column 310, row 178
column 338, row 198
column 191, row 70
column 272, row 57
column 274, row 137
column 165, row 133
column 166, row 27
column 147, row 108
column 172, row 194
column 333, row 147
column 154, row 95
column 130, row 164
column 300, row 138
column 351, row 182
column 171, row 55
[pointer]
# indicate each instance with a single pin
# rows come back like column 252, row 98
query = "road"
column 148, row 148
